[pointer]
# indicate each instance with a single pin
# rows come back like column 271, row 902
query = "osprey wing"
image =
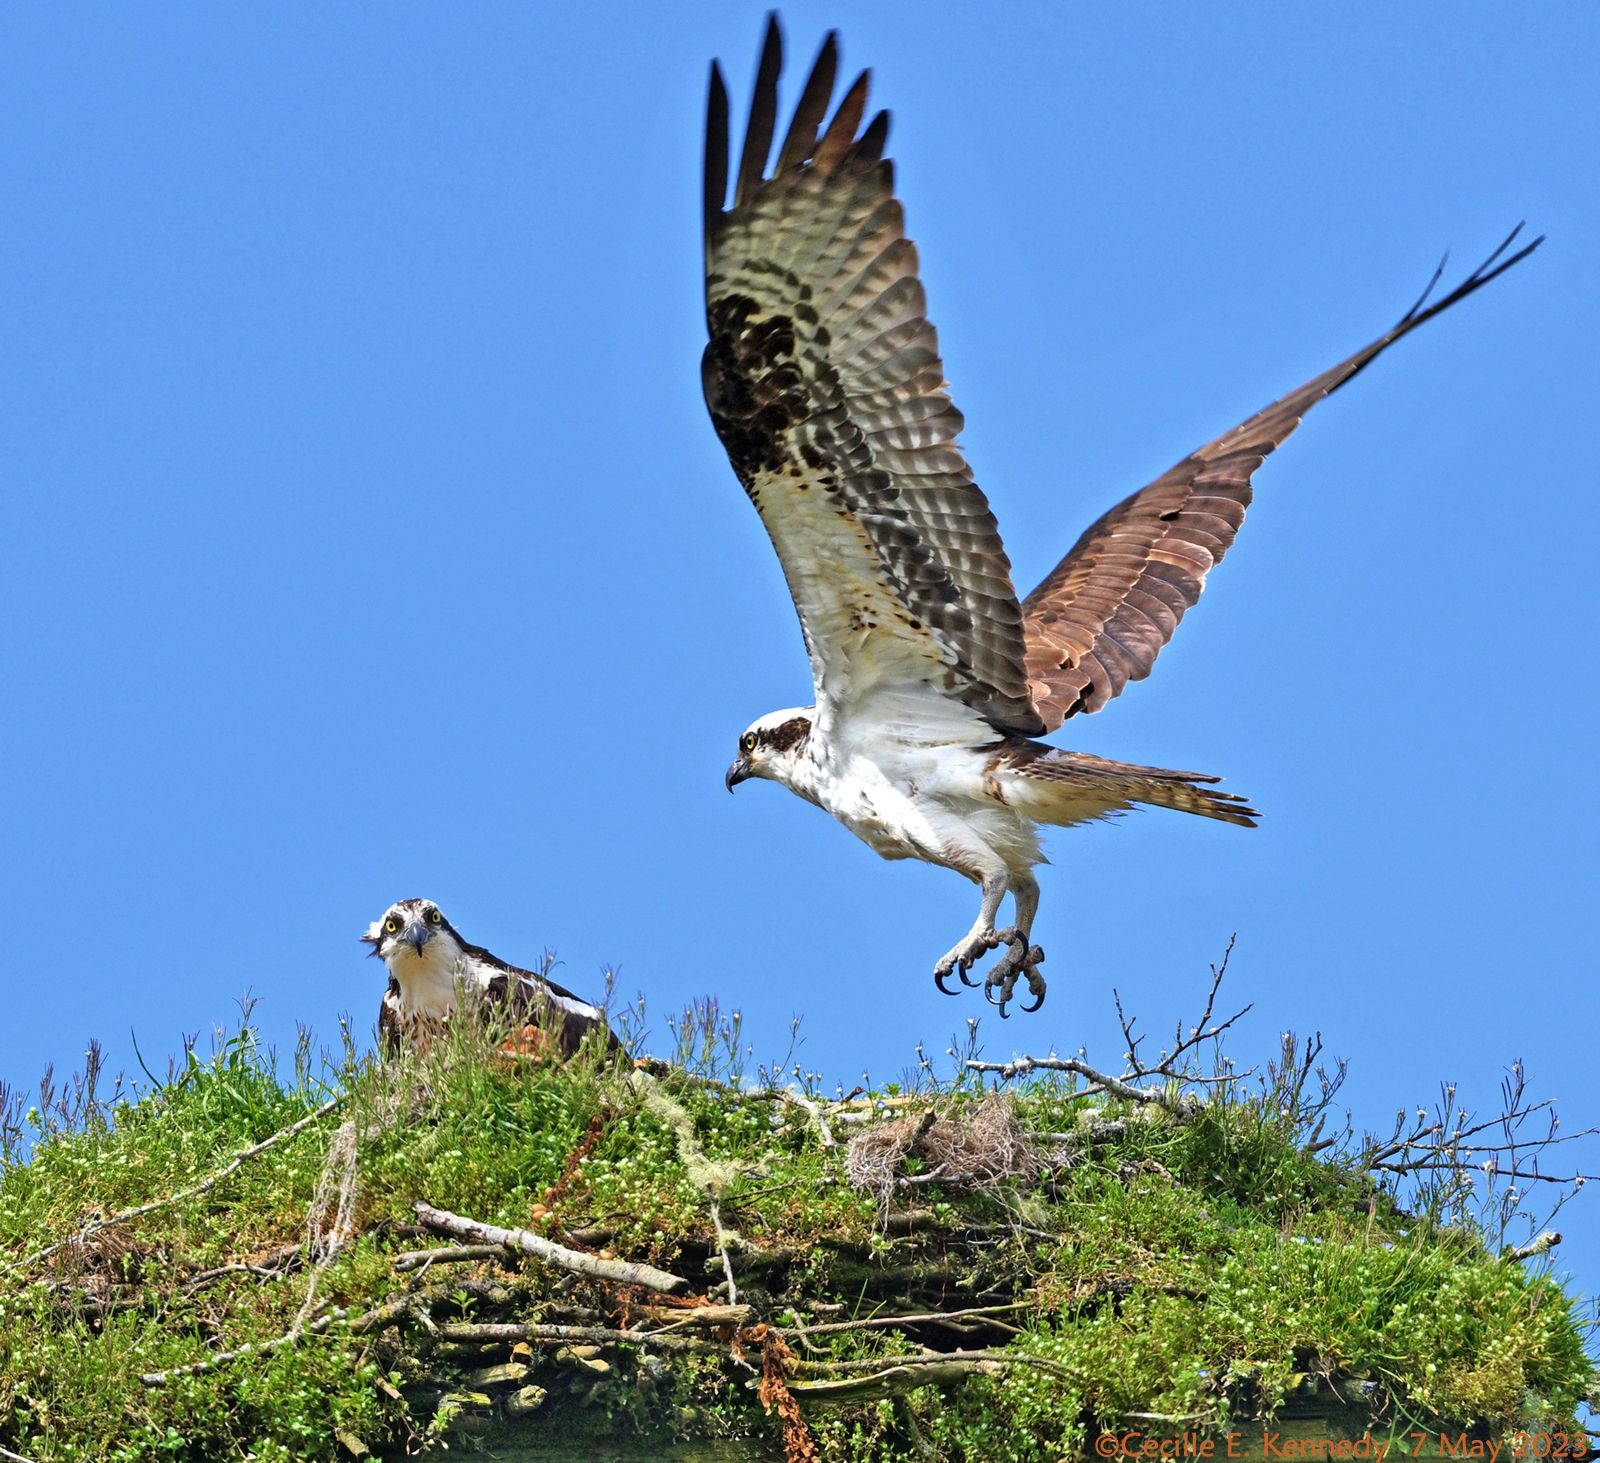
column 391, row 1025
column 1103, row 613
column 824, row 382
column 526, row 993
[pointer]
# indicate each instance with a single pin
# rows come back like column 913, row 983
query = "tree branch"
column 622, row 1272
column 1540, row 1246
column 374, row 1320
column 490, row 1333
column 1180, row 1104
column 99, row 1226
column 447, row 1255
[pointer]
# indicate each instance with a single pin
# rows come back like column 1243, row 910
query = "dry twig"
column 1178, row 1103
column 447, row 1255
column 978, row 1152
column 1171, row 1078
column 98, row 1226
column 867, row 1323
column 722, row 1249
column 379, row 1317
column 492, row 1333
column 1540, row 1246
column 623, row 1272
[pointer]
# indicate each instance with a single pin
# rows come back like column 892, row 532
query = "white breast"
column 428, row 980
column 931, row 802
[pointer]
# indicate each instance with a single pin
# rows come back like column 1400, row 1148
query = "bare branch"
column 1178, row 1103
column 447, row 1255
column 498, row 1333
column 870, row 1323
column 441, row 1221
column 99, row 1226
column 891, row 1381
column 368, row 1321
column 674, row 1318
column 934, row 1358
column 270, row 1267
column 1541, row 1246
column 722, row 1249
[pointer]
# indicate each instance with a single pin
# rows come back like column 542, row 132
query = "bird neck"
column 800, row 771
column 428, row 980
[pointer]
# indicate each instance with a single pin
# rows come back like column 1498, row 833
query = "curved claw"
column 1002, row 978
column 1019, row 960
column 960, row 973
column 1030, row 967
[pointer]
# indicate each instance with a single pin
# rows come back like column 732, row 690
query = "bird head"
column 772, row 746
column 413, row 931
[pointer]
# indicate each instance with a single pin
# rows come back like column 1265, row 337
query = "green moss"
column 1201, row 1270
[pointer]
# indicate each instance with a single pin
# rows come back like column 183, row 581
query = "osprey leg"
column 980, row 939
column 1025, row 895
column 1021, row 958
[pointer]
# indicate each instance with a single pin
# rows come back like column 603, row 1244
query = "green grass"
column 1208, row 1270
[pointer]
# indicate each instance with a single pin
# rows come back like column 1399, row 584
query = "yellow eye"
column 436, row 918
column 748, row 742
column 391, row 926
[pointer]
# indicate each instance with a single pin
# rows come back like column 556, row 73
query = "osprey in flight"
column 933, row 682
column 429, row 963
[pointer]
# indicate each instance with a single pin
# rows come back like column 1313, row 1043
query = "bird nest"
column 982, row 1151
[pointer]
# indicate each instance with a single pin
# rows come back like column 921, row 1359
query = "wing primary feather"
column 1188, row 518
column 811, row 108
column 823, row 379
column 874, row 139
column 842, row 130
column 763, row 113
column 1418, row 315
column 716, row 163
column 1479, row 277
column 1427, row 289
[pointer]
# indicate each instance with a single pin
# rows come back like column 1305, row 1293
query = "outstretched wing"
column 824, row 383
column 1103, row 613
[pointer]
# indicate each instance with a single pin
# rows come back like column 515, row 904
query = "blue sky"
column 366, row 536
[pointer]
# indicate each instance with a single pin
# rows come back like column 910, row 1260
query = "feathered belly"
column 883, row 838
column 946, row 816
column 882, row 816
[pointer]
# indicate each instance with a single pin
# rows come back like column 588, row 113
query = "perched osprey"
column 933, row 683
column 429, row 963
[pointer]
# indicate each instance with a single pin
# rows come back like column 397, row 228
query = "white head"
column 773, row 747
column 422, row 950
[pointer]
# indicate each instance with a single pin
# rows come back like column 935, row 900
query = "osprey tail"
column 1054, row 786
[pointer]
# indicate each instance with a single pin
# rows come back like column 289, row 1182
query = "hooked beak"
column 737, row 773
column 417, row 936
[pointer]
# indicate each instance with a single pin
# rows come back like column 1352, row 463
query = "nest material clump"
column 978, row 1152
